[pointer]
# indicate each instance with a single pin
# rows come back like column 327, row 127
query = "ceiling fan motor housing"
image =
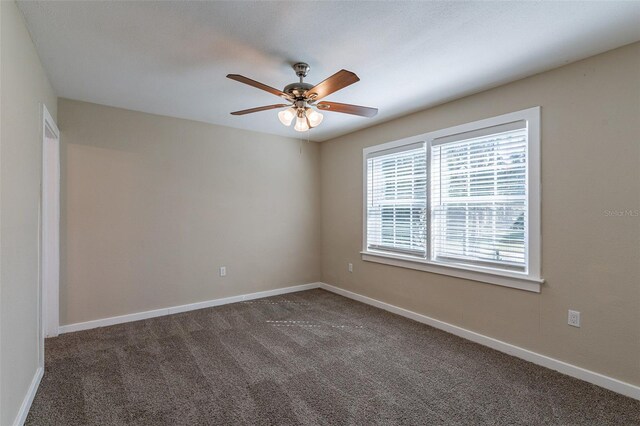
column 298, row 90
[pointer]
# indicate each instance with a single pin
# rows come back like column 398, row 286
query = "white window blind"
column 462, row 201
column 397, row 200
column 479, row 198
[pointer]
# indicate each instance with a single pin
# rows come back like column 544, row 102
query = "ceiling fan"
column 302, row 97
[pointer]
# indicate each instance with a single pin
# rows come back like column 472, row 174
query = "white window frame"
column 530, row 279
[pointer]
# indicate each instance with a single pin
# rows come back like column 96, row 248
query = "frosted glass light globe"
column 301, row 124
column 287, row 116
column 314, row 117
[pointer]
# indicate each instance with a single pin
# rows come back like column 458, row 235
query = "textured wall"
column 591, row 261
column 152, row 206
column 24, row 89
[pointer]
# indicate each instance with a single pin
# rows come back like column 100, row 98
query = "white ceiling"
column 171, row 58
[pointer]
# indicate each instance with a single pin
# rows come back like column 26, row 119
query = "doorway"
column 50, row 229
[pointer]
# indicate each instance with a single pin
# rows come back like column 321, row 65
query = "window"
column 397, row 193
column 462, row 201
column 479, row 198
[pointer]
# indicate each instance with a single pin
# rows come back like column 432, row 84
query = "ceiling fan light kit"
column 303, row 97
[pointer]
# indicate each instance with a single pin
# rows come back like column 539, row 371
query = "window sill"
column 503, row 278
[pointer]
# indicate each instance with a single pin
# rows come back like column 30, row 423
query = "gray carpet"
column 303, row 358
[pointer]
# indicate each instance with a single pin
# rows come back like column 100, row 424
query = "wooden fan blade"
column 339, row 80
column 347, row 109
column 258, row 85
column 257, row 109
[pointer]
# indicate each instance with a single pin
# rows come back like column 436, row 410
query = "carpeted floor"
column 303, row 358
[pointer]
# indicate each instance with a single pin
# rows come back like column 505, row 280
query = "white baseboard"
column 104, row 322
column 28, row 398
column 598, row 379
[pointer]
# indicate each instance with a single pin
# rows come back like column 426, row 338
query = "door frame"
column 50, row 231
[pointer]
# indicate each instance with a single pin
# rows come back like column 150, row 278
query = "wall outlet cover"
column 574, row 318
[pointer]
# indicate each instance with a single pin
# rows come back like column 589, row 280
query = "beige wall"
column 591, row 262
column 24, row 88
column 152, row 206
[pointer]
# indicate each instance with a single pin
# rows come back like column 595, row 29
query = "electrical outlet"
column 223, row 271
column 351, row 267
column 574, row 318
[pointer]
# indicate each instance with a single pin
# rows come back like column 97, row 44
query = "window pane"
column 479, row 200
column 397, row 201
